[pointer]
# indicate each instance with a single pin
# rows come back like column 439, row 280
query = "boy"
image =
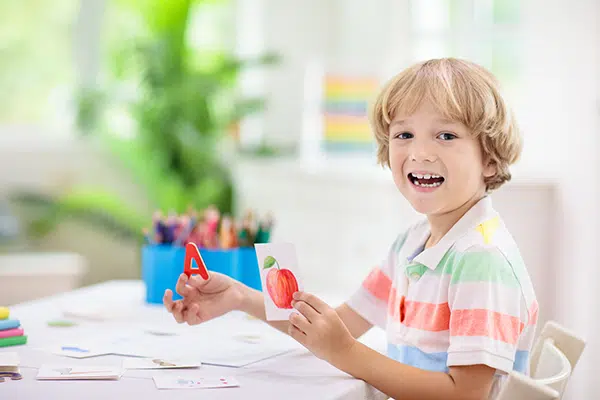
column 453, row 293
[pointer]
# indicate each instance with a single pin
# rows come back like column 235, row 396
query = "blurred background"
column 112, row 109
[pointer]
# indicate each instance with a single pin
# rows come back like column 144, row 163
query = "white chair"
column 522, row 387
column 568, row 343
column 553, row 368
column 552, row 372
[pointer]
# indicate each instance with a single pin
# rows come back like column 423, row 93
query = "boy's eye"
column 447, row 136
column 403, row 135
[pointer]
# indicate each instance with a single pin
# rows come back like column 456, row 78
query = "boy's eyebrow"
column 443, row 121
column 446, row 121
column 397, row 122
column 439, row 120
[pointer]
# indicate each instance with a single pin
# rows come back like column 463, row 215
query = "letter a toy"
column 192, row 253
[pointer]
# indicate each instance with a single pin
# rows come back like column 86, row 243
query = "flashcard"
column 80, row 372
column 78, row 351
column 158, row 363
column 192, row 382
column 280, row 278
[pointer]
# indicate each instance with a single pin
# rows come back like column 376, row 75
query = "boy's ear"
column 489, row 168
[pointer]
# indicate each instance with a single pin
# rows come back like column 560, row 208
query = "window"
column 484, row 31
column 37, row 70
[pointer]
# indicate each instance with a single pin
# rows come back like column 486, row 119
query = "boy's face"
column 436, row 164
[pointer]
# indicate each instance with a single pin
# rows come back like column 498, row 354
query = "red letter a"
column 191, row 252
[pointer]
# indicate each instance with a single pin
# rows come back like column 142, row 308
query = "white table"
column 293, row 375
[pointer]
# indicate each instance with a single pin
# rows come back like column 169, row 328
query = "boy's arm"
column 253, row 304
column 402, row 381
column 320, row 329
column 355, row 323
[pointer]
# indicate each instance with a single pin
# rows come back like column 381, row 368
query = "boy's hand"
column 203, row 300
column 319, row 328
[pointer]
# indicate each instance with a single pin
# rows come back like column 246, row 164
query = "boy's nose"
column 421, row 152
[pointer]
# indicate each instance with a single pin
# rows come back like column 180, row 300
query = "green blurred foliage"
column 181, row 101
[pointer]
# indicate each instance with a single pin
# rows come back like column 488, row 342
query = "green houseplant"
column 184, row 103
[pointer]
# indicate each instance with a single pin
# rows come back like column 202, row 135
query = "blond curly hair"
column 461, row 91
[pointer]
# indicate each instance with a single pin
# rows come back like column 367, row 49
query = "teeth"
column 426, row 176
column 436, row 184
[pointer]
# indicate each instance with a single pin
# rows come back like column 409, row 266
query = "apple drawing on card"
column 280, row 278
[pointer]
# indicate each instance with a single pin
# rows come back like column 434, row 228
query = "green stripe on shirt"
column 477, row 266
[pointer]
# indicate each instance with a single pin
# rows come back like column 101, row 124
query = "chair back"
column 522, row 387
column 553, row 368
column 567, row 342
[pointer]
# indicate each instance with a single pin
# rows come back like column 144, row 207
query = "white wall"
column 562, row 122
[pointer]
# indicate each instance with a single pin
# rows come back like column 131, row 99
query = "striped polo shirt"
column 466, row 300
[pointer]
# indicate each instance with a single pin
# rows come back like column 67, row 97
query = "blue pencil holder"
column 162, row 265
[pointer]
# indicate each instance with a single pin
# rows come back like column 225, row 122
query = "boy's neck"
column 440, row 224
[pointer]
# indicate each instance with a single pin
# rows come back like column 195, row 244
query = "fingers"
column 178, row 311
column 168, row 300
column 174, row 307
column 191, row 315
column 306, row 310
column 296, row 334
column 197, row 282
column 181, row 287
column 300, row 322
column 312, row 300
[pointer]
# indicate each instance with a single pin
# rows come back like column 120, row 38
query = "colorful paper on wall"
column 345, row 112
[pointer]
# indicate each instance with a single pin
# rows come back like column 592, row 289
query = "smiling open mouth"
column 426, row 180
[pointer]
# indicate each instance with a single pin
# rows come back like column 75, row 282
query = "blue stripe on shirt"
column 412, row 356
column 521, row 363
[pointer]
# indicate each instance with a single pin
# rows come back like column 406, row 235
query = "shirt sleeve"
column 370, row 301
column 488, row 312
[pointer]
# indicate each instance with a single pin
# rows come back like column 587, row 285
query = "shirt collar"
column 431, row 257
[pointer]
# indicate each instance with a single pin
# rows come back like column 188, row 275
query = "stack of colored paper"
column 11, row 333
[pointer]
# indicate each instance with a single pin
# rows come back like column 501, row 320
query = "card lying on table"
column 78, row 350
column 80, row 372
column 157, row 363
column 280, row 278
column 193, row 382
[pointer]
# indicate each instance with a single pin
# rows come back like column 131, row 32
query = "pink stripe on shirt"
column 378, row 284
column 427, row 316
column 533, row 313
column 481, row 322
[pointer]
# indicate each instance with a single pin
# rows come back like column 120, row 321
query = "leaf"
column 92, row 207
column 269, row 262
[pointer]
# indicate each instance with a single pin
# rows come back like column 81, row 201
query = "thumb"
column 197, row 282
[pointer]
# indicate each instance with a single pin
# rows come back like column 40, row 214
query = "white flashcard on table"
column 194, row 382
